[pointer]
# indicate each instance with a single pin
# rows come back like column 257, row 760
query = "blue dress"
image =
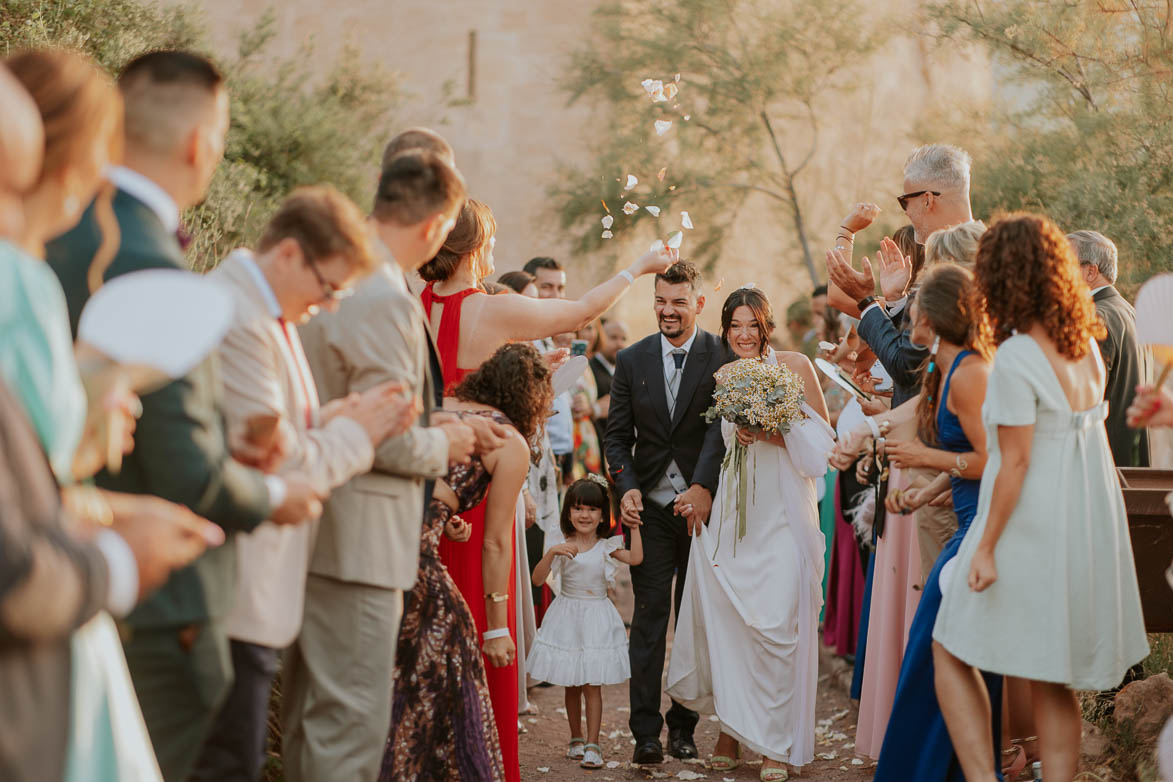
column 916, row 744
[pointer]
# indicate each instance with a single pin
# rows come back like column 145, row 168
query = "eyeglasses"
column 904, row 199
column 329, row 291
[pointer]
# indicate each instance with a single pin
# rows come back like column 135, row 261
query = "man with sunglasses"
column 311, row 254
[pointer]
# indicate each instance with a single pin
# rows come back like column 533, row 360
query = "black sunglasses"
column 904, row 199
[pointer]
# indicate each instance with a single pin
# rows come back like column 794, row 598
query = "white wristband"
column 625, row 274
column 500, row 632
column 871, row 422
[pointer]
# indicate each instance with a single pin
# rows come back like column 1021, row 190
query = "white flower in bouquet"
column 753, row 394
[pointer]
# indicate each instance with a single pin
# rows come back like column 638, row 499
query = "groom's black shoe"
column 681, row 745
column 648, row 751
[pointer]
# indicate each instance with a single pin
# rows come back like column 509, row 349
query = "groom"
column 663, row 384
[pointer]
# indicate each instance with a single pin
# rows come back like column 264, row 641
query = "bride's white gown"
column 746, row 644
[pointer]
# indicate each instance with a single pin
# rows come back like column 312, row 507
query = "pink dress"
column 895, row 594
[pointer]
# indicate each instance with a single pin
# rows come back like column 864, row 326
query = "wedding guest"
column 22, row 142
column 665, row 459
column 582, row 646
column 587, row 455
column 748, row 655
column 366, row 554
column 1123, row 357
column 311, row 254
column 520, row 282
column 442, row 723
column 1049, row 542
column 176, row 646
column 419, row 140
column 603, row 367
column 951, row 440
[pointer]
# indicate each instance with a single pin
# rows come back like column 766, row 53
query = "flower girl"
column 581, row 644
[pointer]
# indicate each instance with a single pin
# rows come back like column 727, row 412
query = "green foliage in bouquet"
column 295, row 120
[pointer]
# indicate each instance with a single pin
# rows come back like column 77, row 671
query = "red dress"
column 463, row 560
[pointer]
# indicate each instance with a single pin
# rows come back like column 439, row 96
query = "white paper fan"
column 566, row 375
column 1154, row 317
column 162, row 319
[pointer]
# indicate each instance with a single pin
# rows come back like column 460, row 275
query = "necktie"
column 674, row 379
column 299, row 369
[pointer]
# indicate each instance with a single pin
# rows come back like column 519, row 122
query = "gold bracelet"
column 497, row 597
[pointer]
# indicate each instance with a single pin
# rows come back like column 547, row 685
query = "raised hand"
column 1151, row 407
column 656, row 261
column 568, row 550
column 860, row 217
column 855, row 284
column 895, row 270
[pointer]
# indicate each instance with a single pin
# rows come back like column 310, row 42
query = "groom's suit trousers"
column 666, row 546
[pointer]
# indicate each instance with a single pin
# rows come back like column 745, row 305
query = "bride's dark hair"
column 758, row 304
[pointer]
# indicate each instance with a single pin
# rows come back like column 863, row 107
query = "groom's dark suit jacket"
column 641, row 439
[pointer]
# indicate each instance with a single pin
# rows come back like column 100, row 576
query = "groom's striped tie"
column 674, row 379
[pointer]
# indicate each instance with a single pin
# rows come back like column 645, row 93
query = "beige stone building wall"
column 516, row 125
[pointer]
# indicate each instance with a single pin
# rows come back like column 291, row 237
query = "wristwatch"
column 866, row 302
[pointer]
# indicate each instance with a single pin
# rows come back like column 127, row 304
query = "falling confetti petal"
column 687, row 117
column 672, row 187
column 654, row 210
column 657, row 246
column 717, row 287
column 670, row 91
column 677, row 79
column 544, row 769
column 607, row 234
column 675, row 240
column 604, row 203
column 631, row 182
column 685, row 220
column 608, row 221
column 663, row 171
column 663, row 126
column 630, row 208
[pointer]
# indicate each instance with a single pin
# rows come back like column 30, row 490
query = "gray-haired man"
column 1123, row 358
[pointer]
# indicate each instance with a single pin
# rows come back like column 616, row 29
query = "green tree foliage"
column 1089, row 139
column 295, row 121
column 754, row 74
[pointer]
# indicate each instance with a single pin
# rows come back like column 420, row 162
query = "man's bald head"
column 22, row 145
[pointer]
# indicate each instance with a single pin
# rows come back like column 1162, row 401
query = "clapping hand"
column 856, row 285
column 861, row 216
column 895, row 270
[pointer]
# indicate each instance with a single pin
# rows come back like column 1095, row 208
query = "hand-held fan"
column 1154, row 321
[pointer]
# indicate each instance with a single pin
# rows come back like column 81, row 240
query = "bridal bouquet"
column 751, row 393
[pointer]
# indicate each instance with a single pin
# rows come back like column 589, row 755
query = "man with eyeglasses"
column 311, row 254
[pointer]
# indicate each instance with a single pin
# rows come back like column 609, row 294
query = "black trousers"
column 666, row 546
column 535, row 541
column 234, row 750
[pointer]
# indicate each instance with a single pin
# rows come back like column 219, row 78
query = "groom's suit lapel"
column 654, row 381
column 694, row 370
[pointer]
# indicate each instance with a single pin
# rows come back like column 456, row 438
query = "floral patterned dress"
column 442, row 724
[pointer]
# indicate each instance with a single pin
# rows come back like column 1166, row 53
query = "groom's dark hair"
column 416, row 185
column 682, row 271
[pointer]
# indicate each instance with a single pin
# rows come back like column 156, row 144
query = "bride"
column 746, row 640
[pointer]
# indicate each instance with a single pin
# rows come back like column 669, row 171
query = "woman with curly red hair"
column 1044, row 585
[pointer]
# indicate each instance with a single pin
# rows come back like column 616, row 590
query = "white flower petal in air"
column 685, row 220
column 663, row 126
column 649, row 85
column 677, row 78
column 663, row 172
column 687, row 117
column 675, row 240
column 630, row 208
column 608, row 221
column 670, row 90
column 654, row 210
column 631, row 182
column 657, row 245
column 607, row 234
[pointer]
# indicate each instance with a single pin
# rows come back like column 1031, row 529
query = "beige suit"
column 337, row 707
column 260, row 375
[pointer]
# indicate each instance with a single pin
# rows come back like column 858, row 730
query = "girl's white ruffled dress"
column 582, row 640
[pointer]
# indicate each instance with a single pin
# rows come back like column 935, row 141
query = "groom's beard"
column 673, row 327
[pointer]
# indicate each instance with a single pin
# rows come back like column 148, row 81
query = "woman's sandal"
column 1016, row 766
column 592, row 756
column 725, row 762
column 774, row 775
column 575, row 749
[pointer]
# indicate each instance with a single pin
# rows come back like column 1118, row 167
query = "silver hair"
column 939, row 165
column 1092, row 247
column 954, row 245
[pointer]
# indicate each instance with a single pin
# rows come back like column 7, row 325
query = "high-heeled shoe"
column 1010, row 772
column 774, row 775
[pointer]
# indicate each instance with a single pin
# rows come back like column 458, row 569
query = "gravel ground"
column 543, row 745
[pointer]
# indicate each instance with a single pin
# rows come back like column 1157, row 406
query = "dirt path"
column 543, row 746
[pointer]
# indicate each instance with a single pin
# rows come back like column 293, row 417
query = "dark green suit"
column 175, row 644
column 1126, row 368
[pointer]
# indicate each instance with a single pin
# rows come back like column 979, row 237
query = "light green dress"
column 107, row 737
column 1065, row 607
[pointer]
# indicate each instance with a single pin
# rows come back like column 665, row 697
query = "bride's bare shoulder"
column 796, row 361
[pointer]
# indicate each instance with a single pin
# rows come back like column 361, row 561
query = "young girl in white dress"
column 581, row 644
